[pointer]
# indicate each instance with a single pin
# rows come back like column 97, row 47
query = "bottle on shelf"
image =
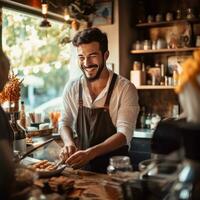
column 148, row 121
column 142, row 117
column 143, row 67
column 175, row 77
column 148, row 76
column 137, row 75
column 162, row 74
column 178, row 14
column 143, row 81
column 22, row 118
column 190, row 14
column 175, row 111
column 19, row 143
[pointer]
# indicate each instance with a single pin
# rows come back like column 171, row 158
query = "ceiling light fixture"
column 66, row 14
column 73, row 11
column 45, row 23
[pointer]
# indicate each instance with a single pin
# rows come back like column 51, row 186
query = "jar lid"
column 120, row 160
column 136, row 65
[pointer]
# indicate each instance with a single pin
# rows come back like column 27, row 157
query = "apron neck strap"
column 110, row 90
column 80, row 100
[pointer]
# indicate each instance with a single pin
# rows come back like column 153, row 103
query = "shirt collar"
column 103, row 92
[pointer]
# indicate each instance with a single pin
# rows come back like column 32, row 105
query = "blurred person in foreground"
column 188, row 88
column 6, row 138
column 101, row 107
column 167, row 137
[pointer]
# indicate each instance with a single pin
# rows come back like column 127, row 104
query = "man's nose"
column 87, row 61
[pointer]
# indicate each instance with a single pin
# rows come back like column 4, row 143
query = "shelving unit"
column 158, row 98
column 155, row 87
column 164, row 50
column 170, row 23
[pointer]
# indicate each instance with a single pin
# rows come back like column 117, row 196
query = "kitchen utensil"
column 144, row 164
column 35, row 148
column 60, row 162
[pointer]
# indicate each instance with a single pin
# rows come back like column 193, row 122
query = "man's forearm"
column 114, row 142
column 67, row 135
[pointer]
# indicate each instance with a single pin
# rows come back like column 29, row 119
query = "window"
column 39, row 56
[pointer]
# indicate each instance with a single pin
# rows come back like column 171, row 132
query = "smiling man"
column 100, row 108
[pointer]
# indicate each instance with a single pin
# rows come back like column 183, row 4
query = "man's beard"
column 96, row 77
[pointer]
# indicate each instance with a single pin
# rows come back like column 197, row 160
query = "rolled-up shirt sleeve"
column 68, row 104
column 128, row 112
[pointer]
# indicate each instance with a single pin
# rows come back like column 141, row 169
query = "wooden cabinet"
column 140, row 150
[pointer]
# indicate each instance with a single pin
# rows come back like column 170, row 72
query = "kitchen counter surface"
column 80, row 184
column 138, row 133
column 143, row 133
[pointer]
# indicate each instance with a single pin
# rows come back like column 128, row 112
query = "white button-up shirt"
column 123, row 107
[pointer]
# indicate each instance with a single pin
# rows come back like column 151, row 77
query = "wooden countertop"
column 94, row 186
column 88, row 185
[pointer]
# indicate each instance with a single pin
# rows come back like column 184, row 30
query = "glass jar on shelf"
column 190, row 14
column 159, row 18
column 147, row 45
column 137, row 45
column 154, row 45
column 169, row 16
column 150, row 18
column 178, row 14
column 136, row 65
column 198, row 41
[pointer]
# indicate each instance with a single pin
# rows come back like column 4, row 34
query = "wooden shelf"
column 164, row 50
column 165, row 23
column 155, row 87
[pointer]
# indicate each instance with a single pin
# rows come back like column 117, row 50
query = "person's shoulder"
column 71, row 86
column 124, row 82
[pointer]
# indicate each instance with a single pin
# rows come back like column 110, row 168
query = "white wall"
column 112, row 31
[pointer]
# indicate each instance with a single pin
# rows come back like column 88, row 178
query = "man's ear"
column 106, row 55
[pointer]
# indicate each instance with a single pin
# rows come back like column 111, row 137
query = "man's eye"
column 81, row 58
column 93, row 56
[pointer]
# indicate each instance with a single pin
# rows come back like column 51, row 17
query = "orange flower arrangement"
column 191, row 68
column 11, row 91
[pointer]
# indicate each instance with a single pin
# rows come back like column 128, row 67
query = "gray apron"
column 94, row 125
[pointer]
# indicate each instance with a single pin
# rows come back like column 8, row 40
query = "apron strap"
column 110, row 90
column 80, row 99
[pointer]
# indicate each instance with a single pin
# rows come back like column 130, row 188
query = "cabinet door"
column 140, row 150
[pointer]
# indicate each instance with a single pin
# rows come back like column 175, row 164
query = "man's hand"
column 67, row 151
column 80, row 158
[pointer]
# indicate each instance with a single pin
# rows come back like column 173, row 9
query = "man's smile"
column 90, row 68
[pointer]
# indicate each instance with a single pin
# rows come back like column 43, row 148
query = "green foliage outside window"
column 38, row 52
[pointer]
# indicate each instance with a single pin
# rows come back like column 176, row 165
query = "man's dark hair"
column 91, row 35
